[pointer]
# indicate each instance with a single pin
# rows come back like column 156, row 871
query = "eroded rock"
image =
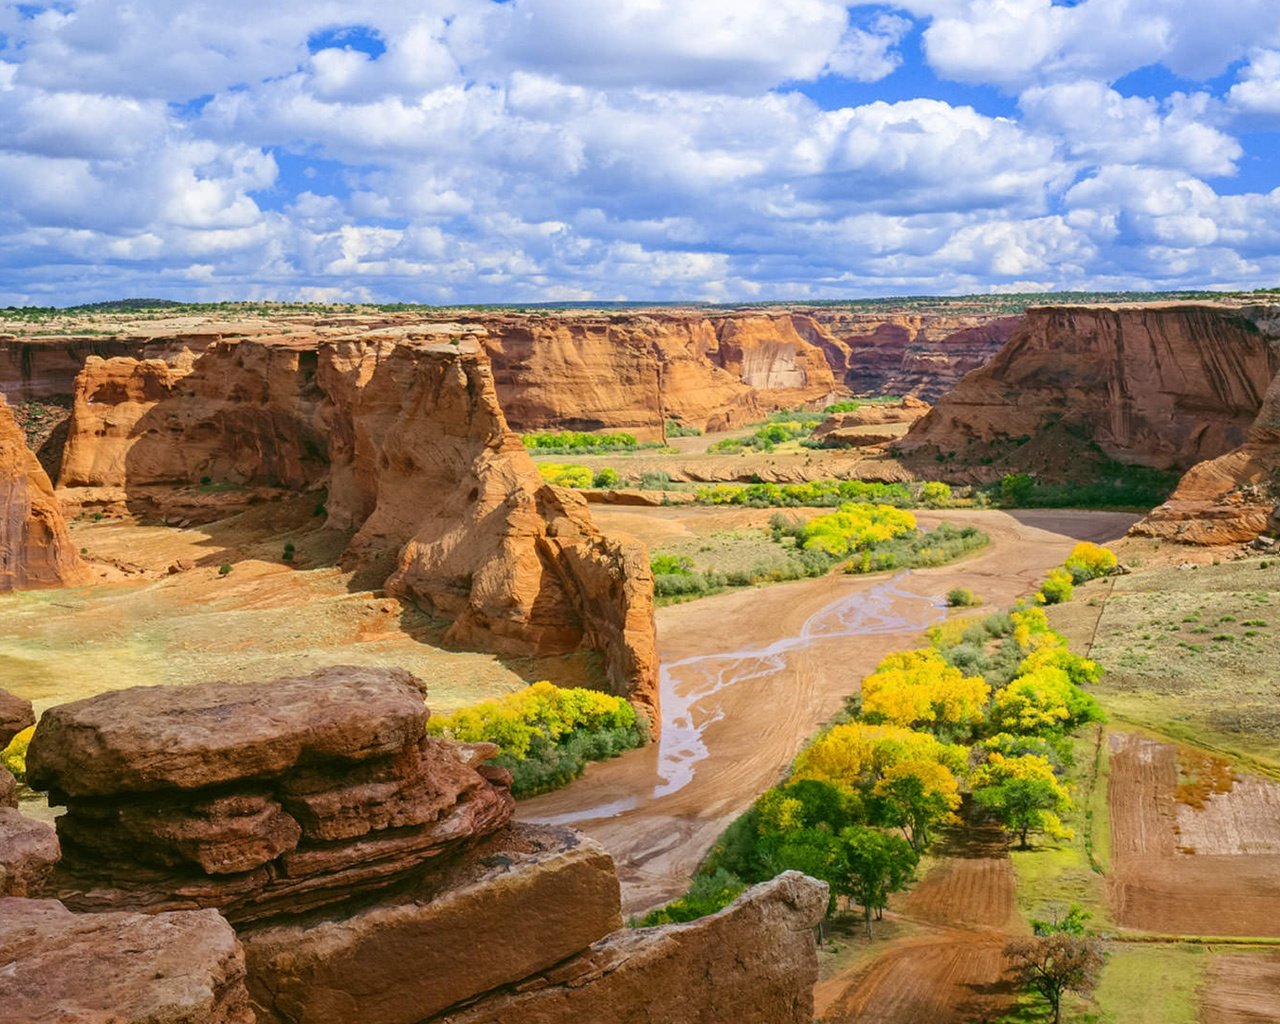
column 35, row 549
column 519, row 903
column 752, row 963
column 16, row 714
column 62, row 967
column 28, row 851
column 257, row 799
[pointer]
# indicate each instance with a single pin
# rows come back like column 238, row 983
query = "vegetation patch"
column 578, row 442
column 545, row 734
column 989, row 708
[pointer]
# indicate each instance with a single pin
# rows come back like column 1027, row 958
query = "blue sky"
column 727, row 150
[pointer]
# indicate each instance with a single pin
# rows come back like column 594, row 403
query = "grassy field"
column 1149, row 984
column 1054, row 875
column 1190, row 653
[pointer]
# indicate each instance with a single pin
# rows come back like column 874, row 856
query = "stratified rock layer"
column 1231, row 499
column 1162, row 386
column 61, row 967
column 35, row 550
column 752, row 963
column 256, row 799
column 519, row 903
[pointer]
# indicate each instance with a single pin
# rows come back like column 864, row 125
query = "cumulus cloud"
column 452, row 150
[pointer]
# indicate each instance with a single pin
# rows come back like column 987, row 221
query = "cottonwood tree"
column 1055, row 964
column 875, row 865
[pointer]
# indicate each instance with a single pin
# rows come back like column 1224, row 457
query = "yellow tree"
column 919, row 688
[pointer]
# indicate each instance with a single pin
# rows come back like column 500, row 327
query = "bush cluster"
column 545, row 734
column 1086, row 562
column 568, row 442
column 818, row 494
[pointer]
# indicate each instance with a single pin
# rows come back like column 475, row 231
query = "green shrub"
column 561, row 475
column 961, row 597
column 545, row 734
column 224, row 569
column 14, row 756
column 935, row 494
column 655, row 481
column 664, row 565
column 1056, row 588
column 580, row 442
column 707, row 894
column 606, row 477
column 675, row 429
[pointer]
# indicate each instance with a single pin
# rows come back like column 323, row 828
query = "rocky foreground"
column 297, row 851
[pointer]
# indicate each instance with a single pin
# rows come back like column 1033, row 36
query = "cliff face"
column 902, row 353
column 636, row 371
column 1162, row 386
column 1231, row 499
column 403, row 427
column 35, row 550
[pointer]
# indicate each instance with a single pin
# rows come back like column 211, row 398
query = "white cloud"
column 642, row 148
column 1098, row 125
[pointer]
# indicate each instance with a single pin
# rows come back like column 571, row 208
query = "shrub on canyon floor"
column 562, row 475
column 545, row 734
column 580, row 442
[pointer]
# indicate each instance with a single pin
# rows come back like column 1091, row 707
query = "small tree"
column 875, row 865
column 917, row 796
column 1056, row 963
column 1024, row 805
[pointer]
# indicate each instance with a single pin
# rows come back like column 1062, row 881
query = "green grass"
column 1149, row 984
column 1054, row 875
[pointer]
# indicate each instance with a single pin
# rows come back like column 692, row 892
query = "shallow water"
column 689, row 685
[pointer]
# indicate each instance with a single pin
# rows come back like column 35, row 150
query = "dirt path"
column 749, row 674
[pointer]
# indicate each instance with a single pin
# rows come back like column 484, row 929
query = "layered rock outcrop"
column 1187, row 386
column 753, row 962
column 1165, row 386
column 256, row 799
column 403, row 427
column 62, row 967
column 870, row 424
column 173, row 792
column 1231, row 499
column 35, row 549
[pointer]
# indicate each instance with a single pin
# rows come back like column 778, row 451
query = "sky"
column 456, row 151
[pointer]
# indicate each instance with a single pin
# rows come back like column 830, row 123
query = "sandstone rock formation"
column 35, row 550
column 175, row 793
column 61, row 967
column 870, row 424
column 256, row 799
column 16, row 714
column 752, row 963
column 1162, row 386
column 1231, row 499
column 403, row 427
column 519, row 903
column 28, row 852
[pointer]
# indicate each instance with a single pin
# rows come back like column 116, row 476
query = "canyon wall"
column 402, row 426
column 1163, row 386
column 370, row 874
column 1190, row 387
column 35, row 550
column 637, row 371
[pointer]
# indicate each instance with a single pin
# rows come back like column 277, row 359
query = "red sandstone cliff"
column 403, row 427
column 35, row 550
column 1164, row 386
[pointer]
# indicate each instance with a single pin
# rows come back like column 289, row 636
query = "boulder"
column 518, row 904
column 156, row 738
column 257, row 799
column 62, row 967
column 28, row 852
column 8, row 789
column 752, row 963
column 15, row 715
